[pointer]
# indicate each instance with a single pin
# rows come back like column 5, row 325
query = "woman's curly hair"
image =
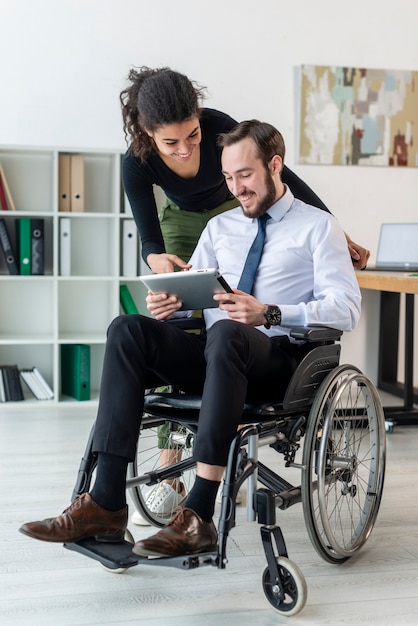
column 156, row 97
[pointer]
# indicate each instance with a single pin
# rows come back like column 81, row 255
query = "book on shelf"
column 7, row 248
column 36, row 383
column 6, row 392
column 3, row 202
column 75, row 370
column 6, row 200
column 2, row 388
column 37, row 246
column 126, row 300
column 46, row 388
column 12, row 390
column 17, row 390
column 24, row 244
column 32, row 383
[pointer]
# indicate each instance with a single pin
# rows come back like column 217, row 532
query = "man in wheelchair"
column 290, row 265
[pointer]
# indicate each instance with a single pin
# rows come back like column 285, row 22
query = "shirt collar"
column 279, row 209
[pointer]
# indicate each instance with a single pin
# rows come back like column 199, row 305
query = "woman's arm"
column 302, row 191
column 140, row 193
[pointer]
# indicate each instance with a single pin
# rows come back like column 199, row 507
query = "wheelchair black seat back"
column 331, row 414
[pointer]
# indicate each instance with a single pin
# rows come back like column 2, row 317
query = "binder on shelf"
column 6, row 200
column 64, row 182
column 75, row 371
column 65, row 246
column 129, row 248
column 23, row 245
column 126, row 300
column 7, row 248
column 77, row 182
column 36, row 383
column 37, row 246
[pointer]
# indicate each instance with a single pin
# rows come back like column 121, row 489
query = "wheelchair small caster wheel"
column 389, row 426
column 288, row 597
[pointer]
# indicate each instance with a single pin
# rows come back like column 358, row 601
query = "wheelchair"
column 331, row 414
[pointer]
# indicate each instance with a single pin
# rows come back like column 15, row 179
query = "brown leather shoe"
column 185, row 533
column 83, row 518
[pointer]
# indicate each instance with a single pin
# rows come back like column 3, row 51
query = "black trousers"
column 227, row 365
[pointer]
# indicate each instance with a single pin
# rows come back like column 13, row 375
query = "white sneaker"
column 161, row 500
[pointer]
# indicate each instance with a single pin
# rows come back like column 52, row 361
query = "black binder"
column 8, row 251
column 37, row 246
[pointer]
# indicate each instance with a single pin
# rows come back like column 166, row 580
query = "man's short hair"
column 267, row 138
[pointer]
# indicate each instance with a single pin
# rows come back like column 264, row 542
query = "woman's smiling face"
column 178, row 141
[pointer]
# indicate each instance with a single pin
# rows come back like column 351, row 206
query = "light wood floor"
column 44, row 584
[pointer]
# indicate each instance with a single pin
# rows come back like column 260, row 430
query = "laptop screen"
column 398, row 247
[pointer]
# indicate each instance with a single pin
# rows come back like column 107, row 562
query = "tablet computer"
column 195, row 288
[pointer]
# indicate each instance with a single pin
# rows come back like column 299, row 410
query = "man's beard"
column 266, row 201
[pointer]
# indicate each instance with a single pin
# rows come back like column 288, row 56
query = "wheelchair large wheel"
column 180, row 473
column 344, row 464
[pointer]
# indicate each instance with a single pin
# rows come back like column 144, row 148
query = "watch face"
column 273, row 316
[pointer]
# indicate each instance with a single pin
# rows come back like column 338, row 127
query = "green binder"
column 126, row 300
column 75, row 370
column 24, row 245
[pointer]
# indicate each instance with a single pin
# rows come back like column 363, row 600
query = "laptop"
column 195, row 288
column 398, row 248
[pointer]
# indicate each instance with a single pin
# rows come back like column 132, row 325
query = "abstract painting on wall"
column 358, row 116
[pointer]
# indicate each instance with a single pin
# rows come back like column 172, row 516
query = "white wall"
column 64, row 62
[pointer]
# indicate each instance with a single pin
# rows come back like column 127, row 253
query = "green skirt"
column 182, row 229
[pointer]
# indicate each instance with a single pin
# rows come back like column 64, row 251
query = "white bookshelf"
column 39, row 313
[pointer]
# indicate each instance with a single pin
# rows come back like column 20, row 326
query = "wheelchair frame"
column 336, row 410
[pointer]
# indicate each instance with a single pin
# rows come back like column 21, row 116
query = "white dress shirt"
column 305, row 268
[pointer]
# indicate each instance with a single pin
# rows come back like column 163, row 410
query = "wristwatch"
column 273, row 316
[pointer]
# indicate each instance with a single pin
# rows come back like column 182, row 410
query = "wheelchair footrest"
column 186, row 561
column 112, row 555
column 120, row 556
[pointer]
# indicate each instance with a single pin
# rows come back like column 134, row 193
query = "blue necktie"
column 252, row 262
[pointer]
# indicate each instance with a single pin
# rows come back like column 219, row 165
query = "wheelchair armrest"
column 186, row 323
column 315, row 333
column 305, row 333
